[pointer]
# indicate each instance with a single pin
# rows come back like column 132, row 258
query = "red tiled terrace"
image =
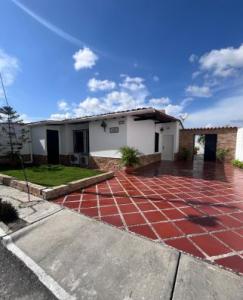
column 194, row 207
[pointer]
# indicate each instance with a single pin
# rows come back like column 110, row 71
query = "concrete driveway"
column 194, row 207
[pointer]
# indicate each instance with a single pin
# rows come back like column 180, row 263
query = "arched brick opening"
column 226, row 139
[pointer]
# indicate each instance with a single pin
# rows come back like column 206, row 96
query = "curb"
column 42, row 276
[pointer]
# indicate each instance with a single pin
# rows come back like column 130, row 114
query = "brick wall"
column 39, row 159
column 226, row 139
column 112, row 164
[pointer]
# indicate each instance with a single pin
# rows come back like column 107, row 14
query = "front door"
column 168, row 147
column 52, row 146
column 210, row 147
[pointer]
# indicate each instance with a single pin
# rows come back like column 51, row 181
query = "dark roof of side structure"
column 140, row 114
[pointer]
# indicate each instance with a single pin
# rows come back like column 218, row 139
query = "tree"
column 14, row 135
column 201, row 139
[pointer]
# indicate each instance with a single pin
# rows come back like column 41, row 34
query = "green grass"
column 50, row 175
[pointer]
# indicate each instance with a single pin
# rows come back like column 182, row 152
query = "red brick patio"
column 196, row 208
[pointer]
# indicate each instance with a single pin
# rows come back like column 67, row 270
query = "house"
column 94, row 141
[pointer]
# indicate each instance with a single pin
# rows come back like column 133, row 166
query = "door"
column 210, row 147
column 52, row 146
column 168, row 147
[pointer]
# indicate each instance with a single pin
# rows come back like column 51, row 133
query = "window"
column 81, row 141
column 114, row 129
column 156, row 142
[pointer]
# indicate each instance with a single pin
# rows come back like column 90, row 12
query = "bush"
column 237, row 163
column 184, row 154
column 130, row 156
column 221, row 154
column 8, row 212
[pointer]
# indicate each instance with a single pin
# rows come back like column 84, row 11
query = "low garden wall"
column 109, row 163
column 48, row 193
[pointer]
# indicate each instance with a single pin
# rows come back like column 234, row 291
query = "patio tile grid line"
column 80, row 201
column 140, row 211
column 227, row 228
column 210, row 199
column 215, row 257
column 232, row 251
column 207, row 256
column 186, row 205
column 237, row 210
column 175, row 195
column 117, row 206
column 166, row 209
column 194, row 244
column 216, row 205
column 195, row 217
column 98, row 201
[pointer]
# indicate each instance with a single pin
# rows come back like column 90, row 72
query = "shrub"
column 221, row 154
column 8, row 212
column 237, row 163
column 195, row 151
column 184, row 154
column 130, row 156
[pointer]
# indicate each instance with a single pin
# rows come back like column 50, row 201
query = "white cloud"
column 156, row 78
column 173, row 110
column 25, row 118
column 63, row 105
column 186, row 101
column 132, row 93
column 224, row 112
column 60, row 116
column 133, row 83
column 193, row 58
column 84, row 59
column 198, row 91
column 120, row 100
column 224, row 62
column 155, row 102
column 89, row 106
column 9, row 66
column 100, row 85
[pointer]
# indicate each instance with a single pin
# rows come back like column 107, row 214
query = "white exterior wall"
column 66, row 137
column 239, row 145
column 137, row 134
column 38, row 136
column 105, row 144
column 140, row 135
column 39, row 143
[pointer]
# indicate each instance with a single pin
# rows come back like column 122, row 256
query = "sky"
column 70, row 58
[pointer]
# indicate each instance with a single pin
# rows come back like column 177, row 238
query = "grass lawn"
column 50, row 175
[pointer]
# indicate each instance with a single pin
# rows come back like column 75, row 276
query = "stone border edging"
column 48, row 193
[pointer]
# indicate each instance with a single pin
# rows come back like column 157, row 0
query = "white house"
column 95, row 140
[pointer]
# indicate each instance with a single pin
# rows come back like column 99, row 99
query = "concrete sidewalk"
column 92, row 260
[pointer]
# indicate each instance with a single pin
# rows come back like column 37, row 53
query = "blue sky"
column 64, row 58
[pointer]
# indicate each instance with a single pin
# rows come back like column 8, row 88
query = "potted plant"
column 184, row 154
column 129, row 158
column 221, row 154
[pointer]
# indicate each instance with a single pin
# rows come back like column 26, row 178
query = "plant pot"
column 129, row 169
